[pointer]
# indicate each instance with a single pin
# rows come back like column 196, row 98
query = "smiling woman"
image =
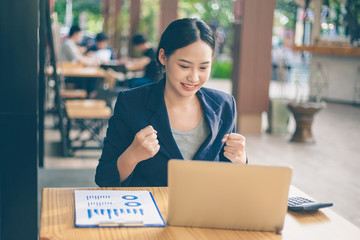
column 175, row 118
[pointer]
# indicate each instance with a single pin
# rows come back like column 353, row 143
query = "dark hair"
column 183, row 32
column 101, row 37
column 74, row 29
column 138, row 39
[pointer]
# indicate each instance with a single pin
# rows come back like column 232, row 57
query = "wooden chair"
column 70, row 93
column 52, row 84
column 85, row 123
column 73, row 93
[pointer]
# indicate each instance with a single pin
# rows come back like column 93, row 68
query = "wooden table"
column 82, row 75
column 80, row 72
column 57, row 222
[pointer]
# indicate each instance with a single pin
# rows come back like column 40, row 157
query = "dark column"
column 134, row 20
column 18, row 119
column 252, row 61
column 42, row 84
column 168, row 13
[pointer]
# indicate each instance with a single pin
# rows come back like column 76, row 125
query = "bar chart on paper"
column 113, row 208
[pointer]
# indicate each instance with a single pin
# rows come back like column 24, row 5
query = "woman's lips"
column 188, row 87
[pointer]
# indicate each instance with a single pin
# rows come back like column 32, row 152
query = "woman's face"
column 188, row 68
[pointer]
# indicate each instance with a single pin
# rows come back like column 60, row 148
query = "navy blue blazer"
column 140, row 107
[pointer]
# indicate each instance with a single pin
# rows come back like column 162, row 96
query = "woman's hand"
column 234, row 148
column 145, row 144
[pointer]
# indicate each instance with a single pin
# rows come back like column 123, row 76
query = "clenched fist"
column 145, row 144
column 234, row 148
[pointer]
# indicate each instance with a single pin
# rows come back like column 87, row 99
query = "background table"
column 78, row 71
column 57, row 222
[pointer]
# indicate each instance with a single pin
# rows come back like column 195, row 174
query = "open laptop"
column 226, row 195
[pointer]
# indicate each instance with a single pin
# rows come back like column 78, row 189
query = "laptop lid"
column 226, row 195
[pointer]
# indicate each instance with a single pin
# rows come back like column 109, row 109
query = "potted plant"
column 304, row 111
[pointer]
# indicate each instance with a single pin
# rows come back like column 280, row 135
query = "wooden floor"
column 329, row 170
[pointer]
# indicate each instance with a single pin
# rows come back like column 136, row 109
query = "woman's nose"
column 193, row 76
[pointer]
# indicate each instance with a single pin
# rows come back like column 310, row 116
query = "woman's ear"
column 162, row 56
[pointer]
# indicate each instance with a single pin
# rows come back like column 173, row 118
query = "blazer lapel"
column 210, row 109
column 160, row 122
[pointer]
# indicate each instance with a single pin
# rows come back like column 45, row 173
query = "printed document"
column 116, row 208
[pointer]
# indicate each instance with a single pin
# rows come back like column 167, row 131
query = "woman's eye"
column 203, row 68
column 182, row 66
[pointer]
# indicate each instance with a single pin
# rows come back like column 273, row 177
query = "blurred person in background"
column 101, row 49
column 147, row 62
column 70, row 51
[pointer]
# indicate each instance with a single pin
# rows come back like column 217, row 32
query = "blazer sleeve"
column 118, row 139
column 233, row 130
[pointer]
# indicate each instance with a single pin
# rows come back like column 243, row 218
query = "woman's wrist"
column 126, row 163
column 128, row 158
